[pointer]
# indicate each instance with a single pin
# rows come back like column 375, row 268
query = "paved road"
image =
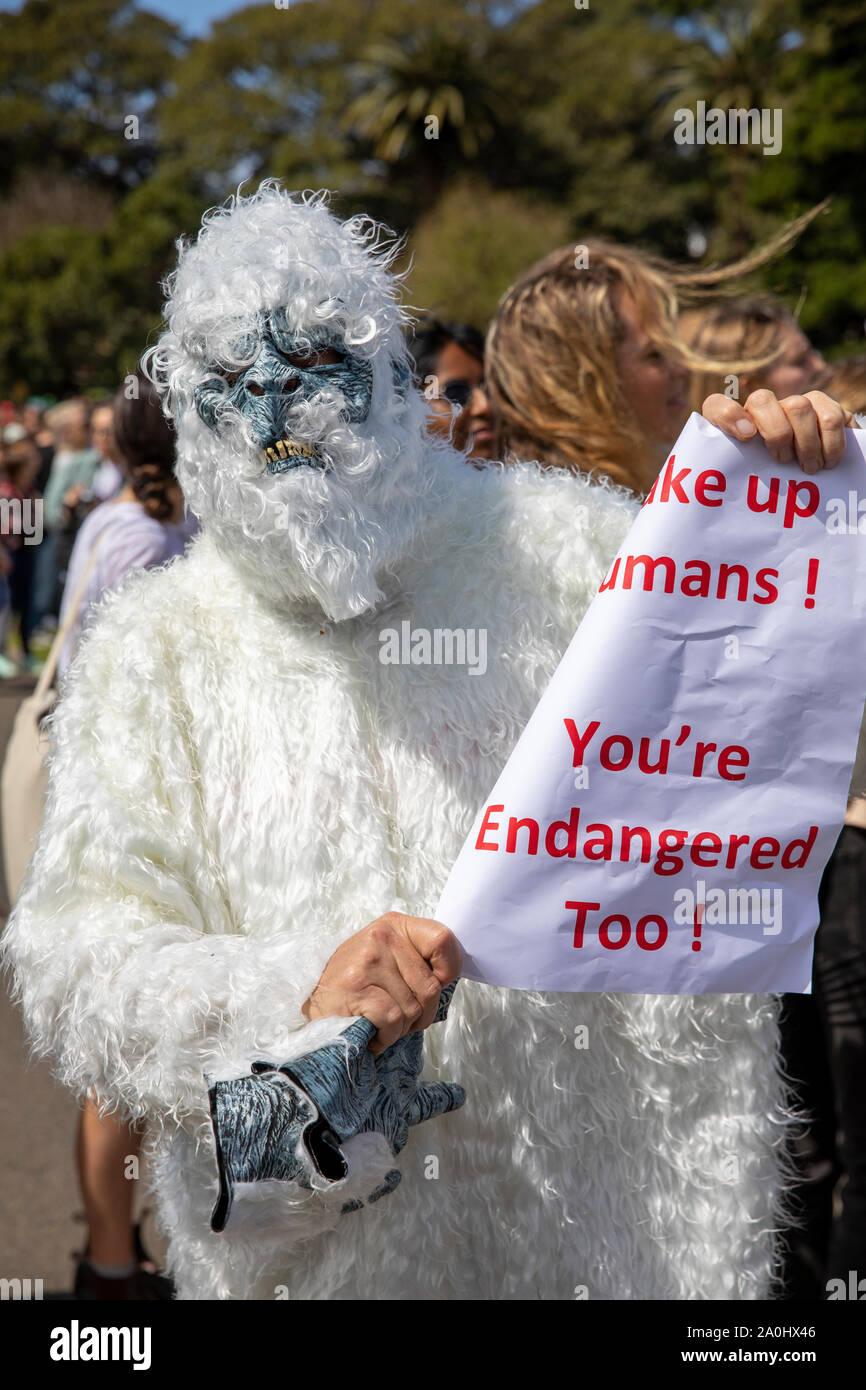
column 40, row 1225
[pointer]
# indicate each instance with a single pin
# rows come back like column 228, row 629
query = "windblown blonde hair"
column 747, row 329
column 551, row 352
column 845, row 381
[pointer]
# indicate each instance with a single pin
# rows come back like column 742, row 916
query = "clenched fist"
column 391, row 972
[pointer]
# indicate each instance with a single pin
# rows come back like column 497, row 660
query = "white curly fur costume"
column 239, row 784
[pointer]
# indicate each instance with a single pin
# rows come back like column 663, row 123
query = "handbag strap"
column 49, row 670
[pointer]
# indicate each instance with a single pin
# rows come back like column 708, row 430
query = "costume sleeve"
column 133, row 970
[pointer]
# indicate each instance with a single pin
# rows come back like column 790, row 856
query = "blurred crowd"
column 60, row 465
column 61, row 461
column 592, row 368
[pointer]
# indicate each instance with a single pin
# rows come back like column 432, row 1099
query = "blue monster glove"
column 289, row 1121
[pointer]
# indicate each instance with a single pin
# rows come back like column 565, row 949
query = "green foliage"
column 70, row 74
column 473, row 244
column 554, row 124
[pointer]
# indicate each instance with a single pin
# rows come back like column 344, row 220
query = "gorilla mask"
column 284, row 371
column 301, row 447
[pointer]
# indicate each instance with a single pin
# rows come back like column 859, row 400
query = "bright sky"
column 194, row 16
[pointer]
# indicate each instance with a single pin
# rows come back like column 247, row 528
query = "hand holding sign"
column 662, row 825
column 808, row 429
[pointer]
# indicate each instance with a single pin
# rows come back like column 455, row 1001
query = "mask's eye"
column 322, row 357
column 290, row 344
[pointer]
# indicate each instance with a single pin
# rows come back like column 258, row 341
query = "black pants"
column 824, row 1046
column 21, row 591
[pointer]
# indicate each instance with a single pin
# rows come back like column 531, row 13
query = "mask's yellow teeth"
column 288, row 448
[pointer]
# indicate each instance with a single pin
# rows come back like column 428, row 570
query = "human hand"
column 72, row 496
column 808, row 429
column 391, row 972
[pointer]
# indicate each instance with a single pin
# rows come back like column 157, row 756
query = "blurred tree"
column 80, row 305
column 54, row 313
column 78, row 87
column 736, row 61
column 43, row 198
column 470, row 247
column 263, row 94
column 554, row 123
column 825, row 133
column 428, row 103
column 590, row 116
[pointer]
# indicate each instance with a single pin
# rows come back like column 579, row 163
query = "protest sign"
column 662, row 824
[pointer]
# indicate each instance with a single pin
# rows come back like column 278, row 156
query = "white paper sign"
column 664, row 821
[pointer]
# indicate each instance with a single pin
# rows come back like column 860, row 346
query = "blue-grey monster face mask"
column 282, row 370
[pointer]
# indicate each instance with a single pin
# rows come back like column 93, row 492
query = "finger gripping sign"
column 664, row 820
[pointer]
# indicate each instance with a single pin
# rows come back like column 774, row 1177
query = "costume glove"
column 290, row 1120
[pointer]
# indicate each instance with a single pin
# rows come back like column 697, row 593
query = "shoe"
column 140, row 1286
column 144, row 1284
column 44, row 634
column 8, row 669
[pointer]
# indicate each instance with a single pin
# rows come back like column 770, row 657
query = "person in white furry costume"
column 239, row 784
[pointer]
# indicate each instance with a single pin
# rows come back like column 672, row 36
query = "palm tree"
column 434, row 75
column 734, row 64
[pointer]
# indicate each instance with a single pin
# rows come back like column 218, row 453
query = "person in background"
column 840, row 954
column 145, row 525
column 584, row 365
column 761, row 328
column 65, row 498
column 845, row 381
column 108, row 479
column 19, row 467
column 8, row 669
column 587, row 368
column 33, row 420
column 757, row 328
column 449, row 371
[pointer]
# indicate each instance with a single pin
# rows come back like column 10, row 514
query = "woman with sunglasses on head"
column 449, row 362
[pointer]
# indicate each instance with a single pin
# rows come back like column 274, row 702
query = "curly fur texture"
column 239, row 784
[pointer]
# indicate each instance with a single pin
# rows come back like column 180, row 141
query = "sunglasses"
column 459, row 392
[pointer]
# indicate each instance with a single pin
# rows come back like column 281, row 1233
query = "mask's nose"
column 270, row 375
column 269, row 388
